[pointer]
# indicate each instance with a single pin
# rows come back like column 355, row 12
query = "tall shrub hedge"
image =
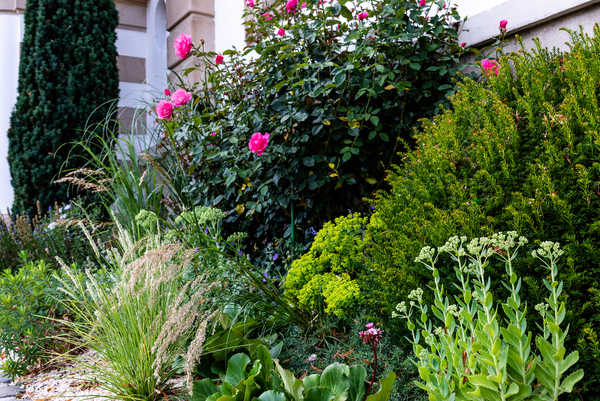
column 517, row 151
column 67, row 72
column 338, row 86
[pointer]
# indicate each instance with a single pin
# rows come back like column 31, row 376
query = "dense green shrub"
column 330, row 277
column 68, row 71
column 47, row 235
column 29, row 298
column 338, row 95
column 518, row 151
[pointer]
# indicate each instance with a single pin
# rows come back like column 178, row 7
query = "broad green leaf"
column 335, row 378
column 385, row 389
column 291, row 384
column 203, row 389
column 236, row 369
column 272, row 396
column 358, row 375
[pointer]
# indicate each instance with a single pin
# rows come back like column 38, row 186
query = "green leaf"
column 312, row 381
column 571, row 380
column 291, row 385
column 318, row 394
column 340, row 78
column 358, row 375
column 236, row 369
column 203, row 389
column 272, row 396
column 335, row 378
column 385, row 389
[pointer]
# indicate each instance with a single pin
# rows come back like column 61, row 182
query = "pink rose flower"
column 363, row 15
column 291, row 6
column 422, row 2
column 258, row 143
column 164, row 110
column 181, row 97
column 281, row 32
column 268, row 16
column 503, row 24
column 250, row 3
column 167, row 92
column 219, row 59
column 489, row 66
column 213, row 134
column 183, row 45
column 463, row 44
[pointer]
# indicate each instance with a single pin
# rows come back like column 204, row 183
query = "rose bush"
column 337, row 86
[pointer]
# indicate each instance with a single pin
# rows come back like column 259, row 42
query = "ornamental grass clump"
column 140, row 320
column 470, row 345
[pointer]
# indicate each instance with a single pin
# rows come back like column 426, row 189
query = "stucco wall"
column 11, row 26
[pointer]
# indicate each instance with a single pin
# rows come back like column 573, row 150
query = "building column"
column 192, row 17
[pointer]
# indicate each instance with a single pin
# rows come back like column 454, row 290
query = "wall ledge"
column 521, row 15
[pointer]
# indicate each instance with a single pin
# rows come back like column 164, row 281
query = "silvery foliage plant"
column 472, row 346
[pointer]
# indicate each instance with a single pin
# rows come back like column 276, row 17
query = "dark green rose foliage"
column 67, row 72
column 518, row 151
column 338, row 96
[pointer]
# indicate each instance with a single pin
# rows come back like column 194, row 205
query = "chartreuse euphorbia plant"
column 477, row 348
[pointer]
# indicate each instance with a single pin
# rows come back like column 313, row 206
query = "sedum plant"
column 473, row 346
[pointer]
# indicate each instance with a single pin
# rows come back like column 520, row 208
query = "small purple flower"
column 205, row 230
column 312, row 358
column 266, row 276
column 276, row 256
column 240, row 253
column 197, row 250
column 312, row 231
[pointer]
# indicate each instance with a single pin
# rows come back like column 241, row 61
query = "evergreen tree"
column 68, row 79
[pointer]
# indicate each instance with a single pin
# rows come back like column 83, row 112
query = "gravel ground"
column 69, row 381
column 66, row 381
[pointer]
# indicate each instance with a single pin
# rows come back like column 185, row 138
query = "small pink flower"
column 445, row 6
column 167, row 92
column 219, row 59
column 281, row 32
column 268, row 16
column 181, row 97
column 303, row 5
column 503, row 24
column 312, row 358
column 258, row 143
column 422, row 2
column 183, row 45
column 213, row 134
column 490, row 65
column 363, row 15
column 372, row 335
column 250, row 3
column 164, row 110
column 291, row 6
column 463, row 44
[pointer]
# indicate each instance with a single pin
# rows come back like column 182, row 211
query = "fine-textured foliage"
column 518, row 151
column 331, row 277
column 478, row 348
column 338, row 95
column 28, row 302
column 68, row 71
